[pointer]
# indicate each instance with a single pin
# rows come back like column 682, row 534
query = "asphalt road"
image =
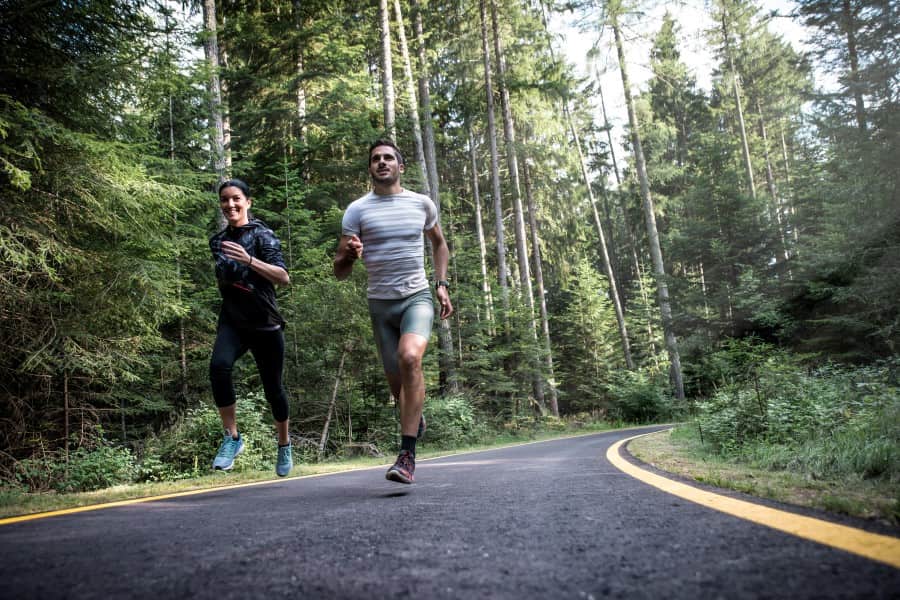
column 546, row 520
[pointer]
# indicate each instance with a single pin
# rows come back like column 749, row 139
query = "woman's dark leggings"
column 267, row 348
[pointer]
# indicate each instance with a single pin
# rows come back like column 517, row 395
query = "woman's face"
column 234, row 205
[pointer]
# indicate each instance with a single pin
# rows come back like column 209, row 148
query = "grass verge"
column 679, row 451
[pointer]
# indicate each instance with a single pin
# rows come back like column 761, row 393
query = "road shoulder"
column 860, row 499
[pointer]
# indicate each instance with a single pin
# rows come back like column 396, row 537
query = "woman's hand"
column 236, row 253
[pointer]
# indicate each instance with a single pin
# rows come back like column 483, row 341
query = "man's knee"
column 409, row 359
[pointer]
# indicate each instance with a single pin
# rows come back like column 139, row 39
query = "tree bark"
column 662, row 287
column 509, row 135
column 772, row 188
column 337, row 383
column 849, row 23
column 608, row 127
column 300, row 92
column 495, row 163
column 745, row 146
column 387, row 69
column 425, row 109
column 214, row 90
column 607, row 265
column 539, row 281
column 182, row 342
column 792, row 222
column 448, row 374
column 411, row 95
column 479, row 232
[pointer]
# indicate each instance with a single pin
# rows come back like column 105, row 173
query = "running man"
column 388, row 223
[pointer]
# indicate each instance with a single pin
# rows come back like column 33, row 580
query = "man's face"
column 384, row 165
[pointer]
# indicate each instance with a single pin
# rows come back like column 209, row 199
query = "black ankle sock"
column 408, row 442
column 284, row 445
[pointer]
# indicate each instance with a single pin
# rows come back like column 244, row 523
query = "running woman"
column 249, row 265
column 388, row 223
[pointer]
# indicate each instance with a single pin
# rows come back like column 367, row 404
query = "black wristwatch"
column 442, row 282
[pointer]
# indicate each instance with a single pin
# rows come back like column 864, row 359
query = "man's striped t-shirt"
column 390, row 228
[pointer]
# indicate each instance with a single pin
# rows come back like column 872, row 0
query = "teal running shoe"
column 285, row 461
column 229, row 449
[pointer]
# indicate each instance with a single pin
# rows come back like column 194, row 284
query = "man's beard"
column 386, row 179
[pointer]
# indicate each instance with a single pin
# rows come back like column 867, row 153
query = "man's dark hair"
column 235, row 183
column 387, row 142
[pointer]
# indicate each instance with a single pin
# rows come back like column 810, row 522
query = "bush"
column 452, row 421
column 187, row 449
column 88, row 469
column 99, row 468
column 835, row 421
column 638, row 397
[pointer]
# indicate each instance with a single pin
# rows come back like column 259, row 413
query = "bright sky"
column 693, row 18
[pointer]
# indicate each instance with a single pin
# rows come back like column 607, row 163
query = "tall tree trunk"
column 226, row 117
column 509, row 135
column 479, row 232
column 300, row 92
column 849, row 23
column 182, row 341
column 792, row 222
column 214, row 89
column 659, row 271
column 607, row 265
column 411, row 95
column 539, row 281
column 745, row 146
column 772, row 188
column 608, row 128
column 495, row 163
column 66, row 413
column 387, row 69
column 448, row 375
column 425, row 108
column 334, row 392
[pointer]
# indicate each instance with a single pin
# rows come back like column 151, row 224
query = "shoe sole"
column 231, row 465
column 394, row 475
column 286, row 473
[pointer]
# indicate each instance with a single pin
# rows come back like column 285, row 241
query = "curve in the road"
column 873, row 546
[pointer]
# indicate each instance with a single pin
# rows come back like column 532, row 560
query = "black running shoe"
column 422, row 427
column 403, row 469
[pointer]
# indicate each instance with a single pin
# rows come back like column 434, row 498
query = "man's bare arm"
column 349, row 249
column 441, row 255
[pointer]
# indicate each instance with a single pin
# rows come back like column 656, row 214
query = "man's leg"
column 412, row 382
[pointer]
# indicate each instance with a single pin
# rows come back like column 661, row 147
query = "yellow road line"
column 90, row 507
column 882, row 548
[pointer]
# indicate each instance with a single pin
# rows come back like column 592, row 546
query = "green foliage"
column 105, row 168
column 829, row 422
column 638, row 397
column 89, row 468
column 452, row 422
column 589, row 350
column 188, row 448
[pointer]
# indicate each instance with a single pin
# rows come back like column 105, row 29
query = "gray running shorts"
column 393, row 318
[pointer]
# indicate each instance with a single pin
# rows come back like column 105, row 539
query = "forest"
column 730, row 256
